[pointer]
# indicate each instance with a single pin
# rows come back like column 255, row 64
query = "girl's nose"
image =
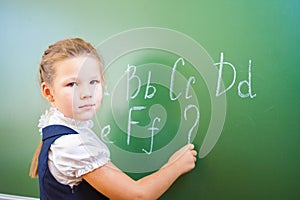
column 86, row 92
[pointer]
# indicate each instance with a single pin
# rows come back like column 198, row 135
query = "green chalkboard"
column 220, row 74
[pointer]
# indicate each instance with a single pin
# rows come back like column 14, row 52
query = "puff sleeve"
column 72, row 156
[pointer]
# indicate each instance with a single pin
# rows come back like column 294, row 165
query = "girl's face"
column 77, row 87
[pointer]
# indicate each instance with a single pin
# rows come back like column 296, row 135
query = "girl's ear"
column 46, row 91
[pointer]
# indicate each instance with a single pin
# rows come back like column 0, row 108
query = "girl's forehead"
column 77, row 66
column 77, row 63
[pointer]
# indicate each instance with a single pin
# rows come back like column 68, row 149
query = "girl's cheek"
column 99, row 100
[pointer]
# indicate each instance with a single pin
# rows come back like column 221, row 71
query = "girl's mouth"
column 87, row 106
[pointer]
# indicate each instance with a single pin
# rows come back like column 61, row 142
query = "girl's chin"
column 84, row 116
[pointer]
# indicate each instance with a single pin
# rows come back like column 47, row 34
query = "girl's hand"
column 111, row 181
column 184, row 159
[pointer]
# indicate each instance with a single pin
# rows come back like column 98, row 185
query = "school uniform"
column 70, row 149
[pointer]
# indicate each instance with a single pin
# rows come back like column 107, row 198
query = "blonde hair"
column 59, row 51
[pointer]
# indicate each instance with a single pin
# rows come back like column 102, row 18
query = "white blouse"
column 74, row 155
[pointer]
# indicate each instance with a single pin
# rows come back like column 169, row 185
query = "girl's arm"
column 113, row 183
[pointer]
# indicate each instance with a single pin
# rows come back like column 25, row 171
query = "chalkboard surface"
column 222, row 75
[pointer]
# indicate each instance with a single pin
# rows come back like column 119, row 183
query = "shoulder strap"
column 56, row 130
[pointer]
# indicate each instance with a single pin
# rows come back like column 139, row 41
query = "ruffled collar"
column 53, row 116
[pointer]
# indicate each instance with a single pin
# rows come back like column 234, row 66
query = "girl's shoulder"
column 84, row 144
column 68, row 141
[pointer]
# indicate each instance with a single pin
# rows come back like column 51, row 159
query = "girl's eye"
column 93, row 82
column 72, row 84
